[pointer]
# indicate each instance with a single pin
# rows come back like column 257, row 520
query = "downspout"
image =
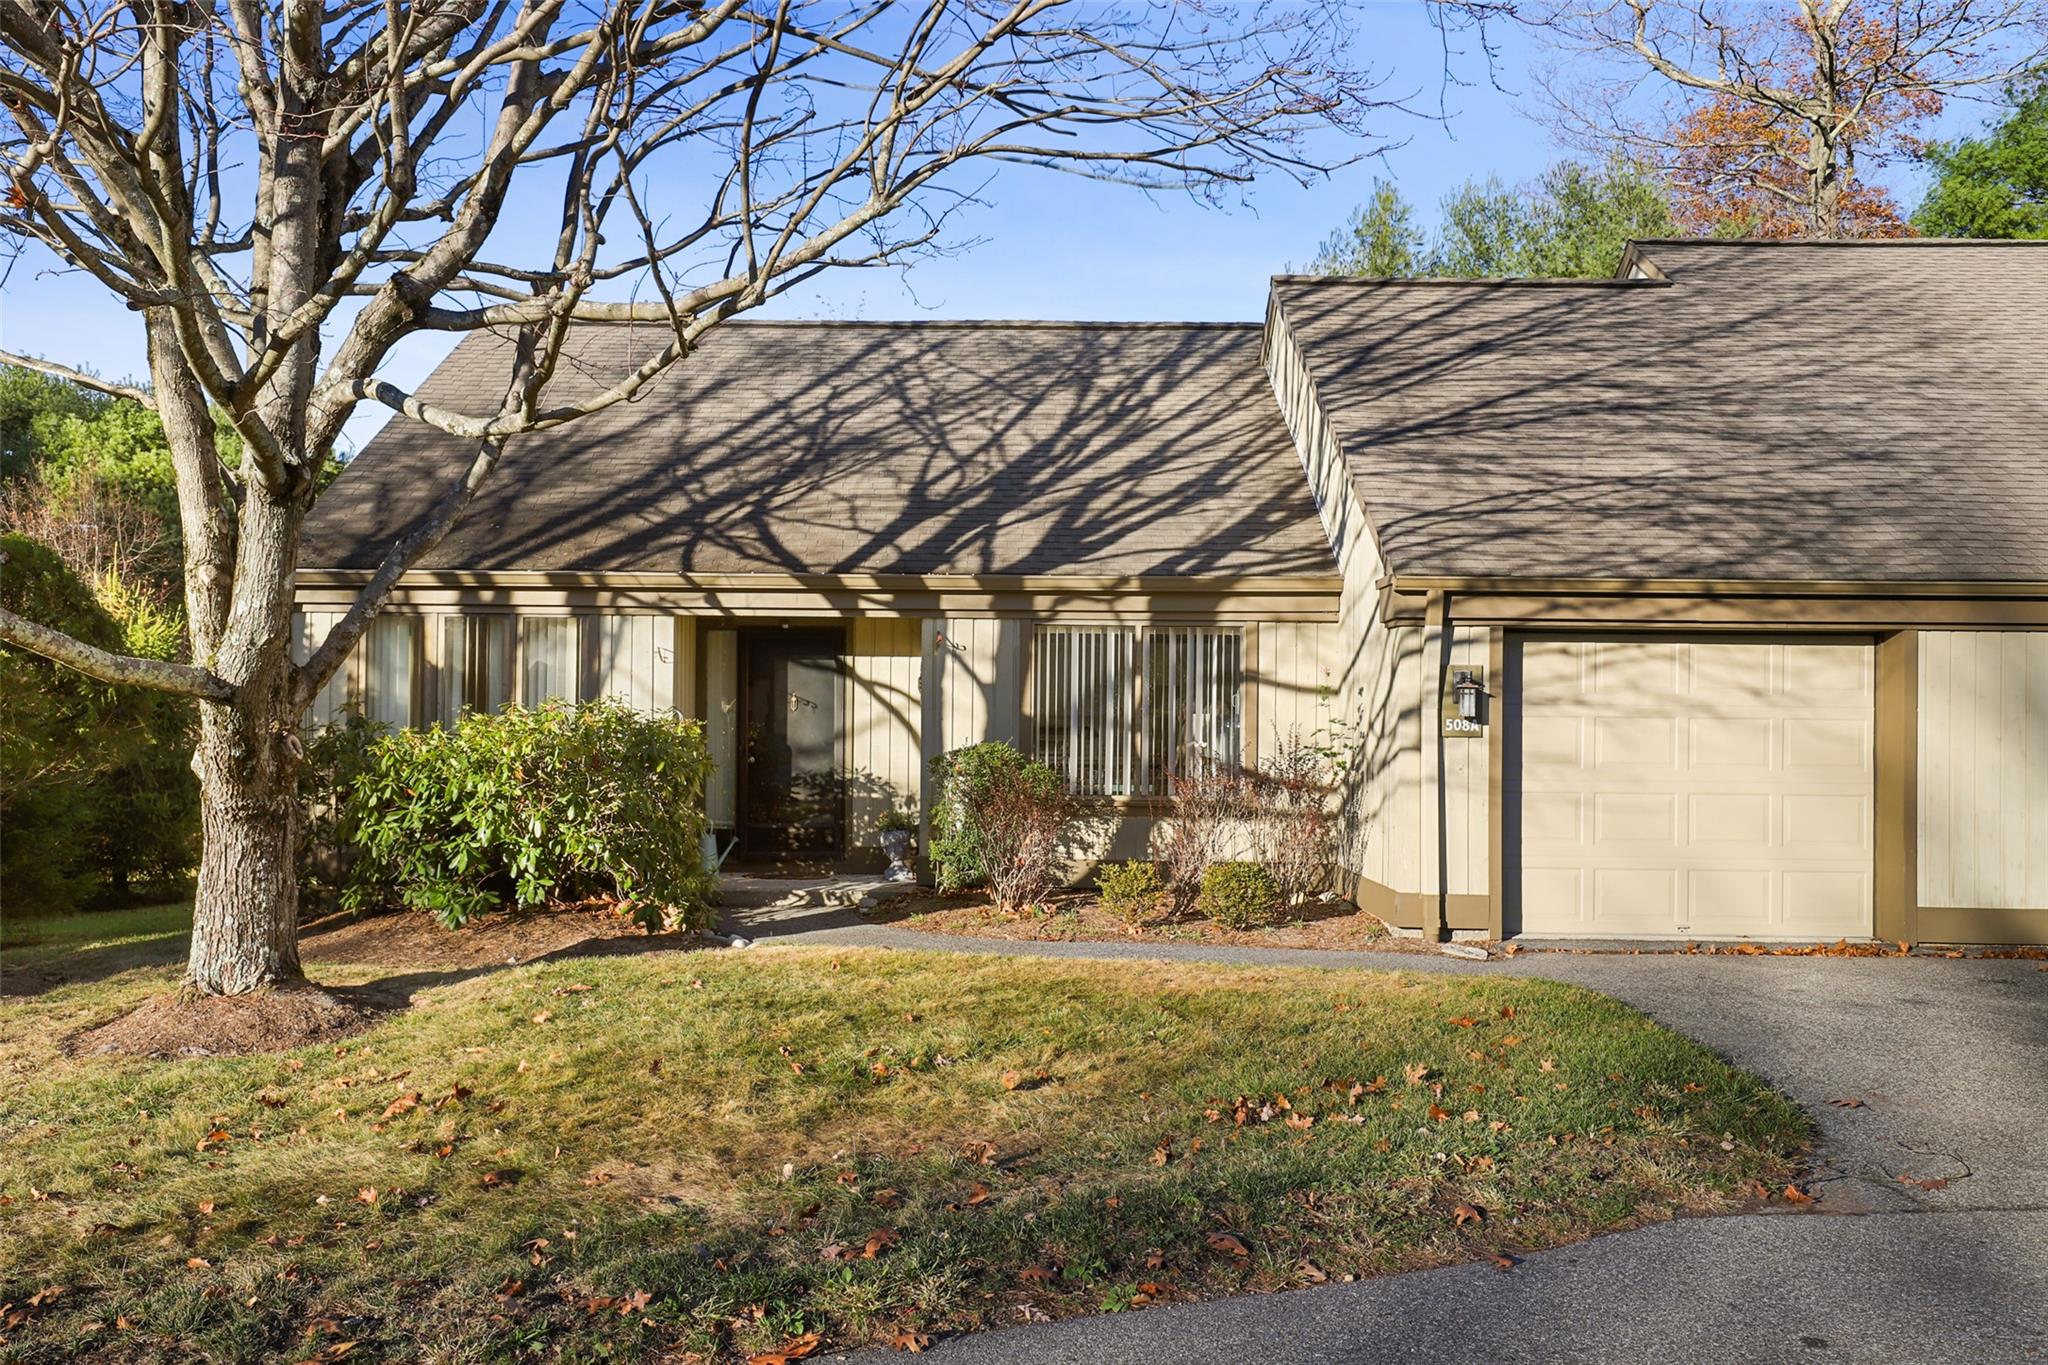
column 1436, row 845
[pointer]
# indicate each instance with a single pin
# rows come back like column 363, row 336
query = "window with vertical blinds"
column 389, row 648
column 1122, row 710
column 548, row 659
column 476, row 665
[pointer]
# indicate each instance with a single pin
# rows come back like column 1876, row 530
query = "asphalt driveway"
column 1929, row 1242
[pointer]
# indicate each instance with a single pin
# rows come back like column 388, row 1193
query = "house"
column 1706, row 601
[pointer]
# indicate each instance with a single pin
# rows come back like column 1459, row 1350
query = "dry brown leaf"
column 1794, row 1195
column 1225, row 1242
column 1467, row 1213
column 796, row 1348
column 911, row 1341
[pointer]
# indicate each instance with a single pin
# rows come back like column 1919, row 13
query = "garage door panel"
column 1825, row 673
column 1556, row 675
column 1730, row 743
column 1826, row 823
column 1694, row 787
column 1634, row 900
column 1733, row 673
column 1635, row 742
column 1553, row 817
column 1554, row 743
column 1554, row 896
column 1742, row 819
column 1635, row 671
column 1813, row 742
column 1635, row 818
column 1729, row 900
column 1824, row 904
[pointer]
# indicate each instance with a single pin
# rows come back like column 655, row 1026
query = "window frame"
column 1149, row 783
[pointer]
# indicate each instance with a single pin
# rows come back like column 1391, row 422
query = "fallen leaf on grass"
column 1467, row 1213
column 1038, row 1274
column 1225, row 1242
column 511, row 1289
column 797, row 1348
column 913, row 1342
column 880, row 1240
column 409, row 1100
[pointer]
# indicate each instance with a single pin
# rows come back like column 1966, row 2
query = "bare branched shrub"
column 1209, row 821
column 1020, row 816
column 1296, row 818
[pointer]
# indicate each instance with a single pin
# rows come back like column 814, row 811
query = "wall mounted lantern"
column 1469, row 693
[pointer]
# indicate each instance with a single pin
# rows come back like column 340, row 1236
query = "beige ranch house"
column 1707, row 601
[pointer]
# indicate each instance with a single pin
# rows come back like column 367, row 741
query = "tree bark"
column 245, row 917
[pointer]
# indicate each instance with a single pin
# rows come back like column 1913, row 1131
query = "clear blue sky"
column 1057, row 246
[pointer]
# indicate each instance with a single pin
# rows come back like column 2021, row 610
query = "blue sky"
column 1056, row 246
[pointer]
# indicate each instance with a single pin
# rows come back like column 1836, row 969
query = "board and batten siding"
column 884, row 680
column 1384, row 701
column 1983, row 784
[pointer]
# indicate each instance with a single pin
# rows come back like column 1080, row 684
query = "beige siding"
column 1984, row 769
column 1295, row 680
column 1382, row 691
column 635, row 659
column 977, row 673
column 688, row 634
column 884, row 669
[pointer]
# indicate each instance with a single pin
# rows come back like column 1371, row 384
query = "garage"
column 1675, row 787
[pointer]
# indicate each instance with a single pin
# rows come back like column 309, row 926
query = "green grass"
column 32, row 937
column 693, row 1136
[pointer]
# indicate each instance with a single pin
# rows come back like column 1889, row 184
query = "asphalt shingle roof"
column 1812, row 411
column 931, row 448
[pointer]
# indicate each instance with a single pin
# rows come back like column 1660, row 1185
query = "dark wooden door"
column 791, row 798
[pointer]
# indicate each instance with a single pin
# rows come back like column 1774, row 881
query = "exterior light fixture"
column 1467, row 691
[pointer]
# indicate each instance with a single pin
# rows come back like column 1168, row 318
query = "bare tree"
column 1774, row 101
column 283, row 190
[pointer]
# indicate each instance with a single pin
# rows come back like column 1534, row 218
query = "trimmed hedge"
column 1238, row 895
column 524, row 807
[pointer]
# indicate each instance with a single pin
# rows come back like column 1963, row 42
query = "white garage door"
column 1694, row 788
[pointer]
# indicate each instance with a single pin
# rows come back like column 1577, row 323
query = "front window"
column 476, row 665
column 1122, row 710
column 389, row 648
column 548, row 659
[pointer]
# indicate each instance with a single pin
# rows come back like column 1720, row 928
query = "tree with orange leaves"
column 1773, row 107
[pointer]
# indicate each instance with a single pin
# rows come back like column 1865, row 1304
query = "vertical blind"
column 388, row 654
column 1120, row 710
column 476, row 665
column 547, row 646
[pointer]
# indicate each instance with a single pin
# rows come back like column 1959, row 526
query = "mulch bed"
column 416, row 941
column 1078, row 916
column 275, row 1020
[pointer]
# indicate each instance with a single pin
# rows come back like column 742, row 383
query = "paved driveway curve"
column 1950, row 1059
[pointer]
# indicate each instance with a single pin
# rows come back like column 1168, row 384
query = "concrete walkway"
column 1950, row 1060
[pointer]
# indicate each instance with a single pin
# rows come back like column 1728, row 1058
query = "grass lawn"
column 727, row 1152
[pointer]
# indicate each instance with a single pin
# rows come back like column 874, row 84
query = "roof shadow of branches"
column 837, row 448
column 1778, row 411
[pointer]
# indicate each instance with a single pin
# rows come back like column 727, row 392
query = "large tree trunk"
column 245, row 919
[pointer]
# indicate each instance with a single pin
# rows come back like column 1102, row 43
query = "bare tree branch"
column 85, row 379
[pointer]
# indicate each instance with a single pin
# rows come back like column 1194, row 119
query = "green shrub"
column 1130, row 891
column 999, row 820
column 524, row 807
column 63, row 736
column 896, row 818
column 1238, row 895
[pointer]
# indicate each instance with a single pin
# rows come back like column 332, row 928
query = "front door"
column 791, row 799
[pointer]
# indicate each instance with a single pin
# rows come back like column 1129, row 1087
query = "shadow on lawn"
column 421, row 952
